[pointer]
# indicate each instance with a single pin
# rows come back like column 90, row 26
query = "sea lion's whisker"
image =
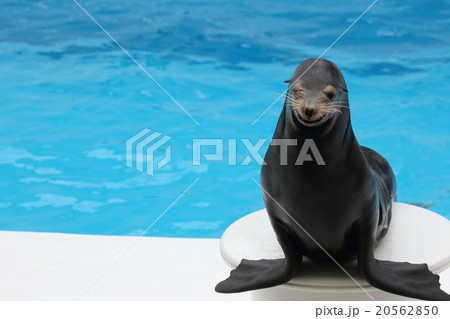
column 289, row 99
column 287, row 95
column 334, row 110
column 295, row 103
column 341, row 106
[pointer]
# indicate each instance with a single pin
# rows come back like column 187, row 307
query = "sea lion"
column 332, row 212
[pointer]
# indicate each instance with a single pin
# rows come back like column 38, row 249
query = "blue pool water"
column 70, row 99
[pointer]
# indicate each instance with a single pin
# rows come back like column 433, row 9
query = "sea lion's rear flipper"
column 401, row 278
column 264, row 273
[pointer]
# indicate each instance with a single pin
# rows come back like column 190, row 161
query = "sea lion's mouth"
column 310, row 122
column 313, row 123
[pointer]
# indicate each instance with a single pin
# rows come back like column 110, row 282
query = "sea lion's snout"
column 309, row 112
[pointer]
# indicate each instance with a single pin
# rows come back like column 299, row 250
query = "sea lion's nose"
column 309, row 111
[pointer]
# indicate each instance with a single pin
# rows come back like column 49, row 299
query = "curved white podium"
column 416, row 235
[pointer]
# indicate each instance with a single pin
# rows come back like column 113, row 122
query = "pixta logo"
column 141, row 148
column 308, row 150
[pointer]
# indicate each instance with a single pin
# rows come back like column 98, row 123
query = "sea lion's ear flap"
column 287, row 81
column 344, row 89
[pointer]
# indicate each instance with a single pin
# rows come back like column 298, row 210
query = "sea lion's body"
column 331, row 212
column 329, row 201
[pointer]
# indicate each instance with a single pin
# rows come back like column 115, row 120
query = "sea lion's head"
column 317, row 92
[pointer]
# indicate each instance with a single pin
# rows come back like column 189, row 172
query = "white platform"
column 416, row 235
column 49, row 266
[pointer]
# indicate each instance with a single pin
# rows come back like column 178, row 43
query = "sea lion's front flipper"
column 401, row 278
column 264, row 273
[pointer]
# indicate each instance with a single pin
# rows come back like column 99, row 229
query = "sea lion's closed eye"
column 330, row 92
